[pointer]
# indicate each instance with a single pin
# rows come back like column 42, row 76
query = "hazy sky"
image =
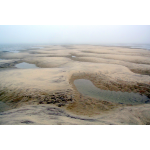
column 74, row 34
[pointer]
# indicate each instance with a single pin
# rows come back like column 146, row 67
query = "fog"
column 81, row 34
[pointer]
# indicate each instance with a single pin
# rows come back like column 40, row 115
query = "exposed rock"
column 61, row 104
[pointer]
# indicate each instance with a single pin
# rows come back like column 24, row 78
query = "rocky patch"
column 60, row 99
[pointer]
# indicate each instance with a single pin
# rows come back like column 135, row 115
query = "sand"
column 50, row 87
column 52, row 115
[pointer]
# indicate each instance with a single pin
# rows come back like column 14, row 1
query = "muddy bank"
column 9, row 63
column 16, row 97
column 69, row 99
column 87, row 88
column 84, row 105
column 103, row 82
column 139, row 71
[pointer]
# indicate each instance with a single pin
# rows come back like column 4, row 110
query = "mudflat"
column 46, row 93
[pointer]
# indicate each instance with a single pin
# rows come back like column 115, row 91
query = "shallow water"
column 16, row 48
column 25, row 65
column 3, row 106
column 87, row 88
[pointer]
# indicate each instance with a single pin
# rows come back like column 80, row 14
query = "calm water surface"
column 87, row 88
column 3, row 106
column 25, row 65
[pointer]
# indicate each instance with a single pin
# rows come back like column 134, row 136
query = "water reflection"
column 25, row 65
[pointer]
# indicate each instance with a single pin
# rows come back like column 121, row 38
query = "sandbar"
column 47, row 94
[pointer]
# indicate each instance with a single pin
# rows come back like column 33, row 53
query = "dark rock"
column 27, row 122
column 62, row 99
column 120, row 103
column 147, row 101
column 61, row 104
column 148, row 95
column 41, row 102
column 49, row 102
column 53, row 97
column 30, row 96
column 148, row 123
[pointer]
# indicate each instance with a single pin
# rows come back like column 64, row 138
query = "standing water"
column 25, row 65
column 87, row 88
column 16, row 48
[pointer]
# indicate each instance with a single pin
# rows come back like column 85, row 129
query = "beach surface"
column 47, row 94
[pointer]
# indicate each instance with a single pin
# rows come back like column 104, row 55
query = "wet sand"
column 51, row 86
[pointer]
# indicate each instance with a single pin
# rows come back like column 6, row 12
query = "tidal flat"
column 38, row 86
